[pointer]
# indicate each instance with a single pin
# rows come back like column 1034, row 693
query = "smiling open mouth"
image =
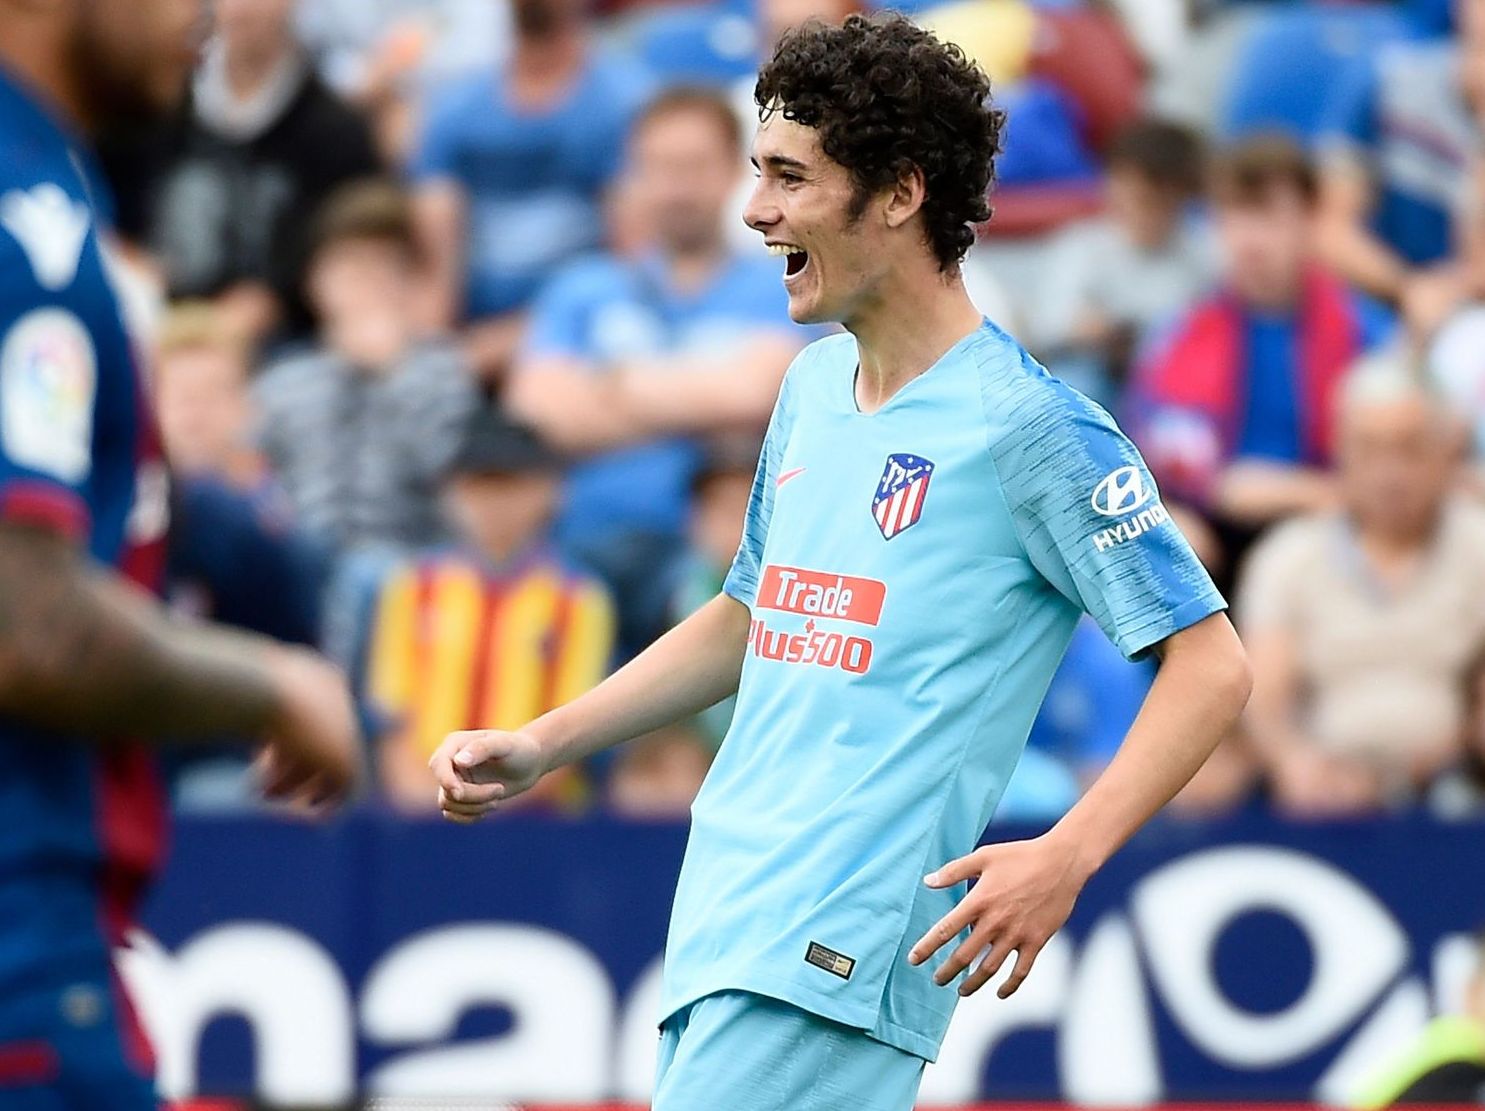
column 795, row 258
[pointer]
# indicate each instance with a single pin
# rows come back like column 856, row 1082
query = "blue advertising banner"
column 519, row 959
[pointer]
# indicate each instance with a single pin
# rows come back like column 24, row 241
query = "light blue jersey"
column 914, row 576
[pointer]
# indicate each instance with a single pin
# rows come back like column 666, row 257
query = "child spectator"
column 1361, row 624
column 492, row 631
column 1234, row 406
column 202, row 399
column 1109, row 279
column 360, row 428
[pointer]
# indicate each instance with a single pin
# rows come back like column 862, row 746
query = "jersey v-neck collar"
column 912, row 383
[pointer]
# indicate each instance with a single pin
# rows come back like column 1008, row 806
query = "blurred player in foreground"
column 931, row 513
column 87, row 658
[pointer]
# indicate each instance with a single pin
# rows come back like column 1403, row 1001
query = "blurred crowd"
column 462, row 356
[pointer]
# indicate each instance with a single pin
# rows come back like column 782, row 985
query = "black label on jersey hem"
column 837, row 964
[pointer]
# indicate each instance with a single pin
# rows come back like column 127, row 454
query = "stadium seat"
column 1293, row 53
column 713, row 45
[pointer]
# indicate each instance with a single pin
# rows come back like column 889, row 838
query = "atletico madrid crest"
column 899, row 499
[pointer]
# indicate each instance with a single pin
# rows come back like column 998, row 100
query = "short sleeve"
column 49, row 390
column 1092, row 523
column 436, row 148
column 558, row 323
column 742, row 579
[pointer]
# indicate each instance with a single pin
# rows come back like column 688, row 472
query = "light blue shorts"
column 746, row 1052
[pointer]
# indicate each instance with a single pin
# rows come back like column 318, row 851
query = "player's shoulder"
column 1020, row 399
column 812, row 368
column 45, row 222
column 837, row 349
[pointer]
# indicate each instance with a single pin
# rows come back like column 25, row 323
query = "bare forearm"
column 1365, row 260
column 709, row 395
column 1344, row 239
column 1255, row 492
column 81, row 652
column 439, row 216
column 695, row 665
column 1196, row 700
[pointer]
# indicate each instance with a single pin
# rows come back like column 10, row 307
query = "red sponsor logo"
column 812, row 646
column 821, row 594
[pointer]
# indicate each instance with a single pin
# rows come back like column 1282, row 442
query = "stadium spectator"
column 360, row 428
column 1108, row 279
column 203, row 402
column 657, row 776
column 1234, row 406
column 489, row 633
column 510, row 168
column 1362, row 623
column 1403, row 131
column 627, row 355
column 220, row 195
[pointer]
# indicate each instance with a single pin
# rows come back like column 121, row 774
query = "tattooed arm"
column 82, row 652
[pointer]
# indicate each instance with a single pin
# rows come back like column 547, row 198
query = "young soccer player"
column 931, row 514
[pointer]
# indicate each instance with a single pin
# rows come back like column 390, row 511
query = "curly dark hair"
column 886, row 96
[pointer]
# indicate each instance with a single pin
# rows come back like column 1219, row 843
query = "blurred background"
column 463, row 354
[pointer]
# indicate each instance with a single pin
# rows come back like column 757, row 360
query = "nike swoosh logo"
column 787, row 475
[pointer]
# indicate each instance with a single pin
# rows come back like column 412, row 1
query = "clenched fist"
column 478, row 769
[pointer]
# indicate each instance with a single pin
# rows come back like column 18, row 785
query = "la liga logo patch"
column 900, row 493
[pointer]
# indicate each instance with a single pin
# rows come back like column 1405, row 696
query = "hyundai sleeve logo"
column 1121, row 491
